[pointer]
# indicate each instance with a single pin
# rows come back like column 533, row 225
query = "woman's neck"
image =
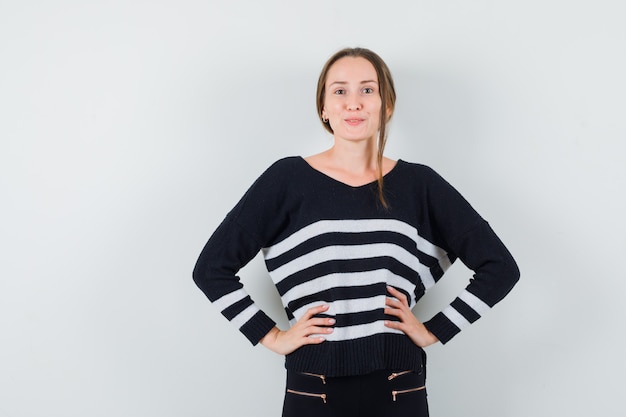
column 350, row 162
column 353, row 159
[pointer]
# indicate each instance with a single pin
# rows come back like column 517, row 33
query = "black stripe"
column 406, row 294
column 466, row 311
column 435, row 270
column 231, row 311
column 346, row 266
column 364, row 317
column 342, row 239
column 419, row 291
column 338, row 294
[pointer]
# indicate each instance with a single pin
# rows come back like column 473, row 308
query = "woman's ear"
column 389, row 114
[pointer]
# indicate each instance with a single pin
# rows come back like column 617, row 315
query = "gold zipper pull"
column 405, row 391
column 397, row 374
column 322, row 377
column 308, row 394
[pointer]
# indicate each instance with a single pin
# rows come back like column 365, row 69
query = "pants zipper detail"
column 397, row 374
column 404, row 391
column 308, row 394
column 322, row 377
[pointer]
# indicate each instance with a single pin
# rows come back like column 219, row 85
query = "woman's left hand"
column 408, row 324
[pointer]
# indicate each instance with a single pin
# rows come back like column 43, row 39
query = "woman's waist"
column 357, row 356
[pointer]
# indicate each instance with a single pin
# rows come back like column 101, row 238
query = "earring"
column 325, row 120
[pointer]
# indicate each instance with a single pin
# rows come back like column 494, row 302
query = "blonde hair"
column 387, row 95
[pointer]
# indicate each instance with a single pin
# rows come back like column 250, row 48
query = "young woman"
column 352, row 240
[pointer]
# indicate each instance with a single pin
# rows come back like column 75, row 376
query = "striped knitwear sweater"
column 325, row 242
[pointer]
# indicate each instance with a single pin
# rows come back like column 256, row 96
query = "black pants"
column 388, row 393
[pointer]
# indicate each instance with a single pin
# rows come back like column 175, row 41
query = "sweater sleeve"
column 228, row 250
column 468, row 237
column 246, row 229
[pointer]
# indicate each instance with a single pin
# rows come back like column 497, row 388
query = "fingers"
column 398, row 294
column 396, row 312
column 398, row 325
column 318, row 326
column 314, row 341
column 316, row 334
column 307, row 330
column 321, row 321
column 310, row 325
column 314, row 311
column 398, row 306
column 309, row 319
column 313, row 331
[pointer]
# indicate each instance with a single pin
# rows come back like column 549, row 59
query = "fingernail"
column 331, row 321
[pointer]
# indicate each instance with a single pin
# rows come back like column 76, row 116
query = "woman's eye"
column 368, row 90
column 339, row 92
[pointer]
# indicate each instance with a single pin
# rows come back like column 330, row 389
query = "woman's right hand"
column 284, row 342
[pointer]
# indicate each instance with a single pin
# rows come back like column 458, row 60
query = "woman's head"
column 386, row 90
column 385, row 82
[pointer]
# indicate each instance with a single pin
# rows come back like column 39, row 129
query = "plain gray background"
column 128, row 129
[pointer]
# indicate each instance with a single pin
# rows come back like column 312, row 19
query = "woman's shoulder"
column 272, row 186
column 424, row 177
column 280, row 172
column 286, row 163
column 417, row 171
column 282, row 166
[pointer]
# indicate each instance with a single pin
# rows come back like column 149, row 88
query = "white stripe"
column 455, row 317
column 229, row 299
column 357, row 331
column 333, row 253
column 357, row 226
column 404, row 284
column 357, row 305
column 347, row 279
column 444, row 261
column 245, row 316
column 474, row 302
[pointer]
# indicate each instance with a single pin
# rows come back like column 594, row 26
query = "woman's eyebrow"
column 345, row 82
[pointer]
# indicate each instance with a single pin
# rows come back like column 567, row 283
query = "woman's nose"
column 354, row 105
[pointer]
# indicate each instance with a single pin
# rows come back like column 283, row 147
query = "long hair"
column 387, row 96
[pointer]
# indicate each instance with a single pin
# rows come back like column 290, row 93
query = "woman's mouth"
column 353, row 122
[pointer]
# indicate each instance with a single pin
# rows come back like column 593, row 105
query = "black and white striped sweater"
column 328, row 242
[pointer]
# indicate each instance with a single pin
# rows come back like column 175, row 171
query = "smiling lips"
column 354, row 122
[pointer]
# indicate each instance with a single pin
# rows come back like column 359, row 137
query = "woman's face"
column 352, row 100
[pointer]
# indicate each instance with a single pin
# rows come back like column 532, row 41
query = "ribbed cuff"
column 442, row 327
column 257, row 327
